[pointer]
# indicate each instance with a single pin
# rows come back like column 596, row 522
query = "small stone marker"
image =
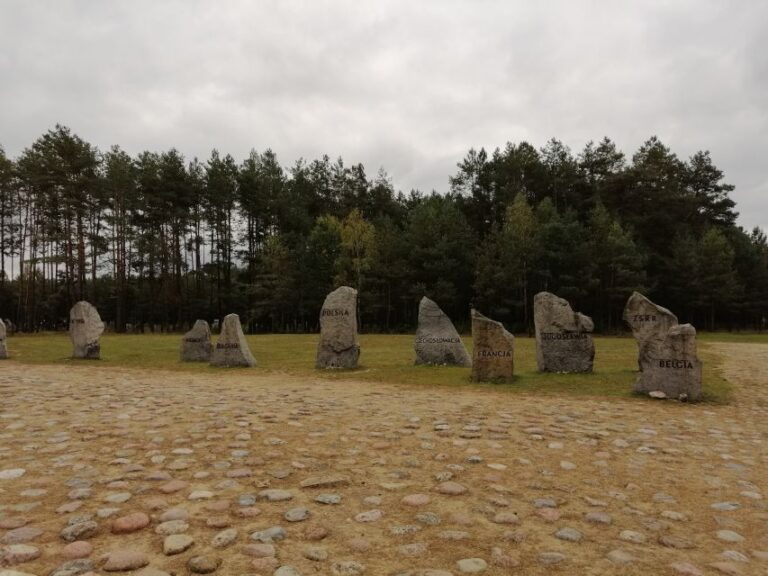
column 85, row 330
column 3, row 342
column 437, row 341
column 231, row 348
column 196, row 344
column 493, row 354
column 338, row 346
column 666, row 351
column 563, row 337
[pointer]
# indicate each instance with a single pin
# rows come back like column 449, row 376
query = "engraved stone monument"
column 437, row 341
column 669, row 366
column 563, row 337
column 196, row 344
column 231, row 348
column 338, row 346
column 85, row 330
column 650, row 324
column 493, row 353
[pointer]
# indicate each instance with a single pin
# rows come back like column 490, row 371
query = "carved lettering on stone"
column 437, row 341
column 493, row 352
column 338, row 346
column 563, row 337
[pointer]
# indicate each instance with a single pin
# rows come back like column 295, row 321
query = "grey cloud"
column 403, row 85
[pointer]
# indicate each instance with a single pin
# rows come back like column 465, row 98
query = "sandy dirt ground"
column 100, row 469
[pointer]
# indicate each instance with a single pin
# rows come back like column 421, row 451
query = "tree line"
column 156, row 241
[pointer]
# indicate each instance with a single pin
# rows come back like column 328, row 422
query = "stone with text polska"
column 338, row 346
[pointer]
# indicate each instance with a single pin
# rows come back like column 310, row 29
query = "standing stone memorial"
column 494, row 347
column 196, row 344
column 650, row 325
column 85, row 330
column 3, row 342
column 338, row 346
column 669, row 366
column 231, row 348
column 437, row 341
column 563, row 337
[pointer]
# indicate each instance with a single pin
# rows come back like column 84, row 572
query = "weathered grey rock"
column 666, row 351
column 3, row 341
column 437, row 341
column 650, row 324
column 85, row 330
column 196, row 344
column 563, row 337
column 231, row 348
column 338, row 346
column 674, row 368
column 493, row 353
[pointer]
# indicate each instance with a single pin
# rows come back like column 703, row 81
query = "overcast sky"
column 405, row 85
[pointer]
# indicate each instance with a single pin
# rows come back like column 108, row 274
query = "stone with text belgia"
column 666, row 350
column 494, row 349
column 338, row 346
column 85, row 330
column 563, row 337
column 437, row 341
column 231, row 348
column 196, row 344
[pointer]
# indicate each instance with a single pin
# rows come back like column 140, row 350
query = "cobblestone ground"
column 171, row 473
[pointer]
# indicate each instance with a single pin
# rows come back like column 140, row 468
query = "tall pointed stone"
column 338, row 346
column 563, row 337
column 494, row 348
column 196, row 344
column 231, row 348
column 85, row 330
column 437, row 341
column 650, row 324
column 3, row 341
column 666, row 351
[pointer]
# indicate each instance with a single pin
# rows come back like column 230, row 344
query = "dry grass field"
column 384, row 358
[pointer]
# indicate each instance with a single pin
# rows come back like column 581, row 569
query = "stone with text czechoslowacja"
column 437, row 341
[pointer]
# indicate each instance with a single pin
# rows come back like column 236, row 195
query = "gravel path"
column 158, row 473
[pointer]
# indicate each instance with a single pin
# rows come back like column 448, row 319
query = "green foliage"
column 440, row 253
column 358, row 249
column 156, row 241
column 717, row 284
